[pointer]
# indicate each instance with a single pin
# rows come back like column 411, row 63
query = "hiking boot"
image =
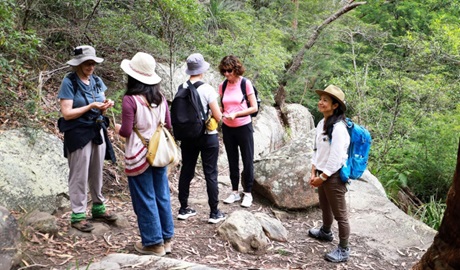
column 247, row 200
column 234, row 197
column 83, row 226
column 321, row 235
column 168, row 246
column 186, row 213
column 216, row 217
column 106, row 217
column 157, row 250
column 339, row 254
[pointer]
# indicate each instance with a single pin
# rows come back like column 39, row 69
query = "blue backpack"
column 358, row 151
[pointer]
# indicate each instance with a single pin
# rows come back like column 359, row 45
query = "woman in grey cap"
column 86, row 143
column 207, row 144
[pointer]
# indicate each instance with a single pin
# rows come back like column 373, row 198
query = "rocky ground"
column 197, row 241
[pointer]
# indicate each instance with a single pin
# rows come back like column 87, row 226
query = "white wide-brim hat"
column 142, row 68
column 336, row 93
column 196, row 64
column 84, row 53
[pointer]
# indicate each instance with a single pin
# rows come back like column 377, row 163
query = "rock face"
column 244, row 232
column 385, row 227
column 33, row 170
column 283, row 176
column 9, row 238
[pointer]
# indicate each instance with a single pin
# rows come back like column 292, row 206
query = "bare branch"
column 299, row 57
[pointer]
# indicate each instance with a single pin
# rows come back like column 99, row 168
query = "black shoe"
column 321, row 235
column 186, row 213
column 216, row 217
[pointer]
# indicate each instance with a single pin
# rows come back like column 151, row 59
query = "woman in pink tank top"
column 237, row 129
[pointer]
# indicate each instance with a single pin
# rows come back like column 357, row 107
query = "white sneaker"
column 234, row 197
column 247, row 200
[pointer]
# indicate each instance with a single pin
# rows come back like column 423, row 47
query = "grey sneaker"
column 233, row 197
column 186, row 213
column 321, row 235
column 339, row 254
column 216, row 217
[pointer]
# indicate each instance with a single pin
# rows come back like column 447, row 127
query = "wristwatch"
column 322, row 177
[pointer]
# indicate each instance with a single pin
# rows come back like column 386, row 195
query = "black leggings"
column 242, row 138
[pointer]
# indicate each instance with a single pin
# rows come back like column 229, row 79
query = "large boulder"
column 33, row 170
column 299, row 119
column 269, row 133
column 244, row 232
column 283, row 176
column 169, row 86
column 9, row 239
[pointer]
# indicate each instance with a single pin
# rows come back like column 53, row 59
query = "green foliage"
column 395, row 60
column 17, row 46
column 432, row 213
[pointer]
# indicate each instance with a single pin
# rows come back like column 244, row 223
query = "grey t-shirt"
column 93, row 92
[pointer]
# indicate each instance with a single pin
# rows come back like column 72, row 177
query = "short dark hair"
column 231, row 62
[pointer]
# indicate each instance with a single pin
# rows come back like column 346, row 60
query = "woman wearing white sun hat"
column 86, row 144
column 143, row 106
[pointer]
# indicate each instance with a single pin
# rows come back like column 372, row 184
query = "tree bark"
column 444, row 252
column 280, row 94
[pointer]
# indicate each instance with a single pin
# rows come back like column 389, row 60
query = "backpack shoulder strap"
column 73, row 78
column 224, row 85
column 243, row 88
column 195, row 96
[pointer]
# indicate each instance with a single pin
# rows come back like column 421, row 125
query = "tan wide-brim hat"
column 84, row 53
column 142, row 68
column 336, row 93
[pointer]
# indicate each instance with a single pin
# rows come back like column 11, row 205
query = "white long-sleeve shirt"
column 330, row 155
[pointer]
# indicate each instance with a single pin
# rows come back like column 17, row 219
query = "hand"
column 109, row 102
column 230, row 116
column 316, row 182
column 117, row 128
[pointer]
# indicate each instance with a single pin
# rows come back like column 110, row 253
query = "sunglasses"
column 227, row 70
column 89, row 63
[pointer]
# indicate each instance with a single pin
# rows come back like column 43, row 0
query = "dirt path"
column 197, row 241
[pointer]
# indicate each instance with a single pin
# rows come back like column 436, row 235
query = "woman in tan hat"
column 330, row 153
column 143, row 107
column 83, row 104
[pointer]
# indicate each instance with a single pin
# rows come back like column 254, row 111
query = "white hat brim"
column 147, row 79
column 77, row 61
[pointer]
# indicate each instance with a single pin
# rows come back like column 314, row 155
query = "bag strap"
column 161, row 121
column 196, row 97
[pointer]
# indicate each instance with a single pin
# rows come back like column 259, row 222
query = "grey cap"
column 196, row 64
column 82, row 54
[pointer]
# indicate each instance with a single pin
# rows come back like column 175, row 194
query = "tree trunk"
column 444, row 252
column 280, row 94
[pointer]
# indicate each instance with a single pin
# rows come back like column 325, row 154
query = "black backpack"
column 187, row 114
column 245, row 96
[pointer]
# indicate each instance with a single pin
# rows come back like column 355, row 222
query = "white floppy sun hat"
column 142, row 68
